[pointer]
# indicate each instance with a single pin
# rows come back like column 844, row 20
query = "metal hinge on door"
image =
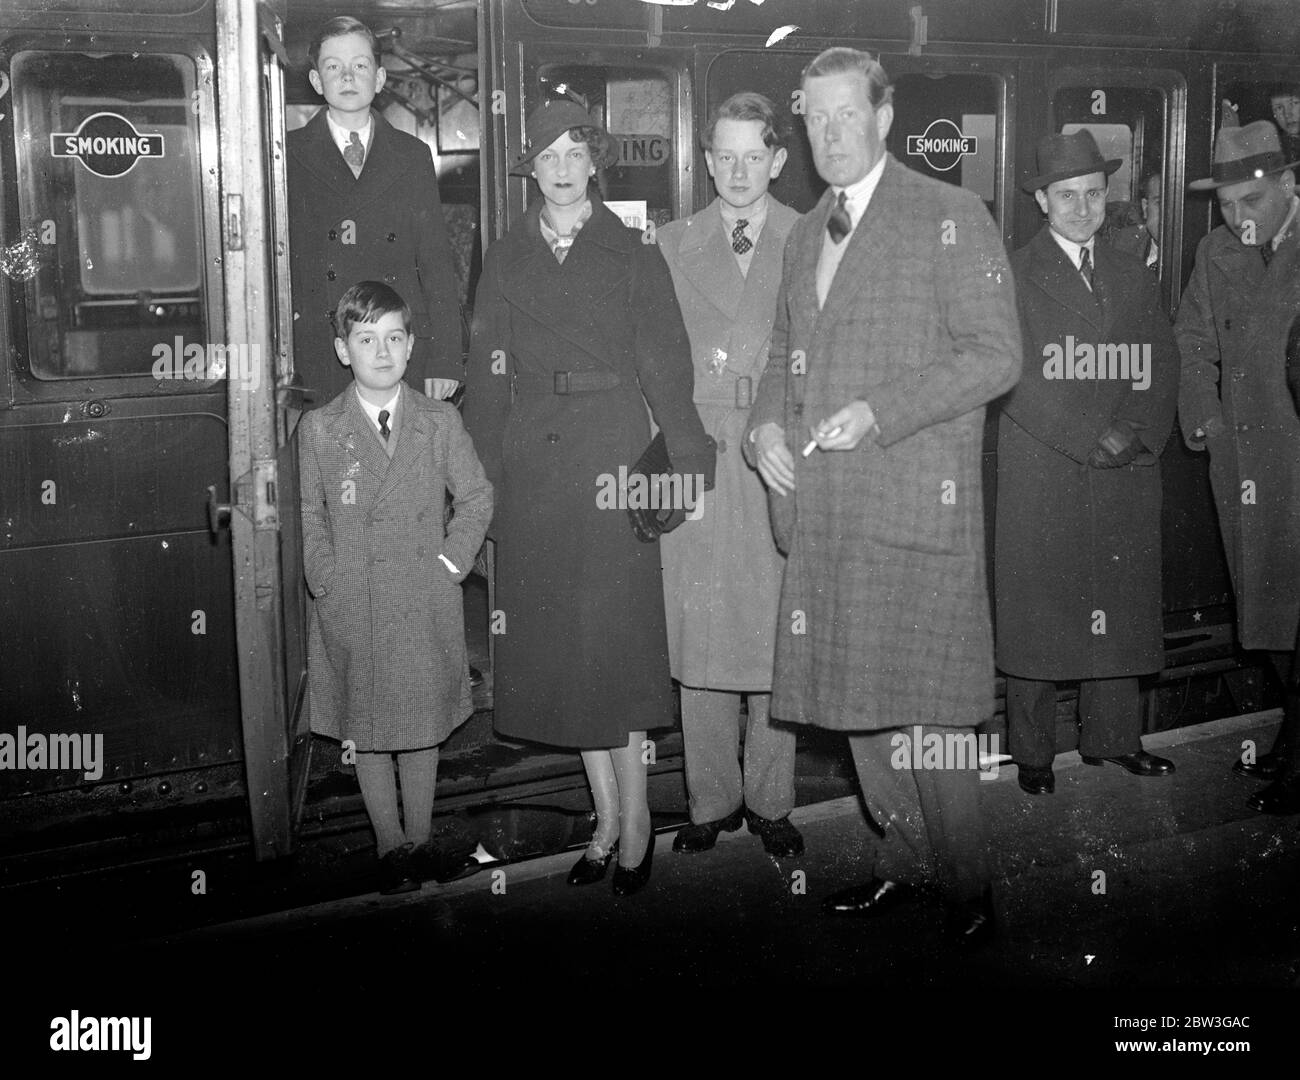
column 254, row 498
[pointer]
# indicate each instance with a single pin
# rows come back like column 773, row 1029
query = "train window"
column 946, row 126
column 108, row 181
column 1275, row 100
column 636, row 105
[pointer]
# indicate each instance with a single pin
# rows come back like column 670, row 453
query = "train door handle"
column 218, row 513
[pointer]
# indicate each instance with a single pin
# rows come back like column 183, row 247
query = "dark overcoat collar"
column 319, row 154
column 1050, row 270
column 564, row 296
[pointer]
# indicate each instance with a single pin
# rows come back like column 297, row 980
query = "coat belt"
column 565, row 382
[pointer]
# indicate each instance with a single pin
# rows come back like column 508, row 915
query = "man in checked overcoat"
column 895, row 325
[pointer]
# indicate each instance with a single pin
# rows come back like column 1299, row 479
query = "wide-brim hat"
column 1062, row 157
column 1244, row 153
column 546, row 123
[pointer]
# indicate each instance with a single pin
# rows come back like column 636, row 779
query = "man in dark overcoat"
column 1077, row 561
column 375, row 217
column 1232, row 330
column 895, row 325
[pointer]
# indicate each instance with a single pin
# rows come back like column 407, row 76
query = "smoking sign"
column 942, row 145
column 107, row 144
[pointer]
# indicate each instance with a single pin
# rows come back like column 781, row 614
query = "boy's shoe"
column 397, row 872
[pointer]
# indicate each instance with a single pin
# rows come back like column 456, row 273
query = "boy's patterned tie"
column 1085, row 268
column 740, row 243
column 839, row 224
column 384, row 429
column 354, row 153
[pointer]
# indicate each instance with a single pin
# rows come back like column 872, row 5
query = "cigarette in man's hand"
column 812, row 443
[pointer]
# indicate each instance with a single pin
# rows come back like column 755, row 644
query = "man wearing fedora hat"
column 1232, row 332
column 1077, row 563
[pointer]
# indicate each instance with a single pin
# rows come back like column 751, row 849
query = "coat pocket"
column 918, row 496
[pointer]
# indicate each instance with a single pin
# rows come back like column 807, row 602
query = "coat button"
column 1238, row 373
column 1243, row 427
column 722, row 446
column 330, row 274
column 1227, row 324
column 334, row 234
column 390, row 278
column 798, row 409
column 392, row 236
column 552, row 438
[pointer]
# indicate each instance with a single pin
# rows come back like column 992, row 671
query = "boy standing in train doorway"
column 1078, row 556
column 386, row 663
column 363, row 204
column 722, row 571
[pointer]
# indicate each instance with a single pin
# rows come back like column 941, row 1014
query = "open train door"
column 263, row 514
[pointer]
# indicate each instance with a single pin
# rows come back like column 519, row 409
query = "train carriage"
column 150, row 576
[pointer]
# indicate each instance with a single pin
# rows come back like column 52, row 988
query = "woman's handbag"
column 650, row 523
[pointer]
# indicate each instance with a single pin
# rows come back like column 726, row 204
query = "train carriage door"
column 263, row 515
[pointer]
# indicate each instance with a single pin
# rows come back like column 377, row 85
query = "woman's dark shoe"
column 702, row 837
column 1264, row 767
column 588, row 871
column 397, row 872
column 627, row 882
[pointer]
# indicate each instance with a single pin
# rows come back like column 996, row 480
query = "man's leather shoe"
column 1035, row 780
column 397, row 872
column 1139, row 764
column 1280, row 797
column 780, row 838
column 702, row 837
column 1264, row 767
column 874, row 898
column 972, row 924
column 589, row 871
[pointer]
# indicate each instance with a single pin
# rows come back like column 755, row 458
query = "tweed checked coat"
column 386, row 657
column 722, row 572
column 386, row 225
column 1072, row 540
column 884, row 617
column 1232, row 329
column 582, row 659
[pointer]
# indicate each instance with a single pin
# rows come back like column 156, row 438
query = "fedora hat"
column 1061, row 157
column 546, row 123
column 1244, row 153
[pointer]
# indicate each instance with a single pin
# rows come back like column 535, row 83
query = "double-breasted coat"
column 1077, row 549
column 385, row 225
column 884, row 616
column 386, row 659
column 722, row 572
column 581, row 648
column 1232, row 330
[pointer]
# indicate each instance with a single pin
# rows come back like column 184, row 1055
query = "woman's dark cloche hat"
column 1061, row 157
column 546, row 123
column 1244, row 153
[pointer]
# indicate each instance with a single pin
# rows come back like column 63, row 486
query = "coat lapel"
column 808, row 252
column 1053, row 273
column 322, row 158
column 1255, row 286
column 412, row 442
column 706, row 260
column 351, row 430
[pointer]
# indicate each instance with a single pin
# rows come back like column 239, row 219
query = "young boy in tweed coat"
column 387, row 667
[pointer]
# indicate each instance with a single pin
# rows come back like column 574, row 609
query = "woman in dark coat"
column 576, row 331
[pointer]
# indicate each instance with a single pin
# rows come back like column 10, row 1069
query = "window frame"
column 18, row 384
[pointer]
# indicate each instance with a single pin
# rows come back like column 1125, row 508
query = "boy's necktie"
column 384, row 429
column 839, row 224
column 740, row 243
column 354, row 153
column 1266, row 253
